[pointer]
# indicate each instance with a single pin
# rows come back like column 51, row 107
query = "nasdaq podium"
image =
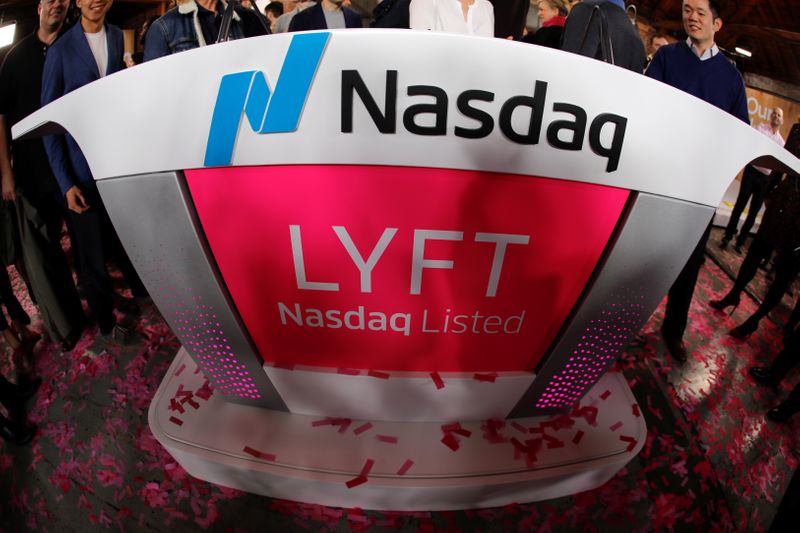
column 401, row 264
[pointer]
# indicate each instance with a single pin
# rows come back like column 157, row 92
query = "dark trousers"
column 680, row 294
column 753, row 185
column 786, row 266
column 9, row 300
column 97, row 242
column 40, row 219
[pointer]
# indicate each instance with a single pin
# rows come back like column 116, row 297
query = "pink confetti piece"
column 180, row 370
column 577, row 438
column 519, row 427
column 437, row 380
column 259, row 455
column 387, row 438
column 176, row 421
column 631, row 442
column 605, row 395
column 362, row 428
column 403, row 469
column 368, row 464
column 348, row 371
column 378, row 374
column 356, row 481
column 489, row 378
column 616, row 426
column 636, row 412
column 450, row 441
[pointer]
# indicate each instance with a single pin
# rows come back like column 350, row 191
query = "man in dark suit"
column 86, row 52
column 326, row 15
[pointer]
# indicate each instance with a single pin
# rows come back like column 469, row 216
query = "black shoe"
column 738, row 247
column 724, row 242
column 15, row 432
column 120, row 335
column 745, row 329
column 675, row 347
column 780, row 413
column 72, row 339
column 763, row 375
column 727, row 301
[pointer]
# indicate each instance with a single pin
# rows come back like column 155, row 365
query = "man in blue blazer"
column 86, row 52
column 326, row 15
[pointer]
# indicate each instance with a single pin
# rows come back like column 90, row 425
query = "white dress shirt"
column 447, row 16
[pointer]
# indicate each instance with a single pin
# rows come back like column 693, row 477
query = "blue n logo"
column 249, row 93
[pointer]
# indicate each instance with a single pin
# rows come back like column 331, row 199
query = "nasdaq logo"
column 249, row 93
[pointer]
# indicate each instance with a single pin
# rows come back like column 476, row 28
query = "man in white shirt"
column 753, row 184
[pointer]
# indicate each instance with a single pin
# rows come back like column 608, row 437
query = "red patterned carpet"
column 711, row 461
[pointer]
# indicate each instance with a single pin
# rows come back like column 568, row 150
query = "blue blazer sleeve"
column 352, row 19
column 156, row 43
column 56, row 145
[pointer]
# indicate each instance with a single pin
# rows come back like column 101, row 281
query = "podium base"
column 399, row 466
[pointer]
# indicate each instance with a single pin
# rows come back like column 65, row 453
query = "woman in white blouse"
column 469, row 17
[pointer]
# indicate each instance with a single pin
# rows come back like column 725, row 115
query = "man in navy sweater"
column 697, row 67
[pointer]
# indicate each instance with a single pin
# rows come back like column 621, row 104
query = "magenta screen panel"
column 402, row 269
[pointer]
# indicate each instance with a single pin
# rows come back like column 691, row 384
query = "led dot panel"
column 599, row 345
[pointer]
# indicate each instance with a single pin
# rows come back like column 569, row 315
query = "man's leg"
column 94, row 275
column 680, row 298
column 40, row 225
column 759, row 182
column 745, row 190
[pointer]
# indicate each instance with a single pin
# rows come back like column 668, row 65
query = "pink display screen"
column 400, row 268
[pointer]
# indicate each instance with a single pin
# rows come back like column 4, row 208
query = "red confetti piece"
column 537, row 429
column 387, row 438
column 180, row 370
column 362, row 428
column 176, row 421
column 403, row 469
column 175, row 406
column 344, row 425
column 577, row 438
column 437, row 380
column 377, row 374
column 323, row 422
column 356, row 481
column 605, row 395
column 519, row 427
column 367, row 467
column 630, row 440
column 348, row 371
column 259, row 455
column 616, row 426
column 490, row 378
column 450, row 441
column 518, row 445
column 190, row 401
column 205, row 392
column 636, row 411
column 456, row 428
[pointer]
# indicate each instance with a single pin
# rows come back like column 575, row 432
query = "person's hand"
column 75, row 200
column 8, row 187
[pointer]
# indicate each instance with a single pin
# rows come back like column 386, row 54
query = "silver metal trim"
column 154, row 218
